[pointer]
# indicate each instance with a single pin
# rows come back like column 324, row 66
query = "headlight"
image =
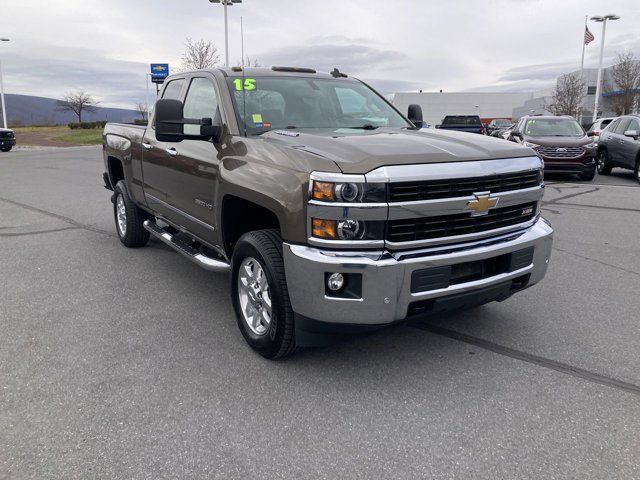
column 530, row 145
column 347, row 191
column 347, row 229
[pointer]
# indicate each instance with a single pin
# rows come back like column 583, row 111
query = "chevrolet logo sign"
column 482, row 203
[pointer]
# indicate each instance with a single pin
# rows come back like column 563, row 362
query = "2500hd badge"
column 331, row 210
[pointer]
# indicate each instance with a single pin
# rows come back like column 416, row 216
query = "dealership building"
column 513, row 105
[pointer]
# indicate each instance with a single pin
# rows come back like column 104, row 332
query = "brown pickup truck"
column 331, row 210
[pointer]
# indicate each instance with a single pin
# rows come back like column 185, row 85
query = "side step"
column 185, row 249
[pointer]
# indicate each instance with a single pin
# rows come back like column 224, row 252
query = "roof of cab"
column 270, row 72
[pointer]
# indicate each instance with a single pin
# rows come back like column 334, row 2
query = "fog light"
column 335, row 282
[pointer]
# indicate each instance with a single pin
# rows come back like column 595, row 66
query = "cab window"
column 173, row 89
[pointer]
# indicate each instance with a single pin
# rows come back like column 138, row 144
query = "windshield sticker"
column 248, row 85
column 257, row 118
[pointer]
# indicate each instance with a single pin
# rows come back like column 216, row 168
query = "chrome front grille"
column 559, row 152
column 462, row 187
column 427, row 228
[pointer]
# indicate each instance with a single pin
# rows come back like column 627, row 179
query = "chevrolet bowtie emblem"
column 482, row 203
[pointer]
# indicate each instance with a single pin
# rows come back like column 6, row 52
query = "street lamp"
column 226, row 27
column 603, row 20
column 4, row 109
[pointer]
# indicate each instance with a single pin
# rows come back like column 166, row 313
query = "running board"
column 185, row 249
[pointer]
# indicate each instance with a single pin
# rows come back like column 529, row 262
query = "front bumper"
column 387, row 293
column 581, row 165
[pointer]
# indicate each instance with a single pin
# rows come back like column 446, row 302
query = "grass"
column 62, row 134
column 81, row 137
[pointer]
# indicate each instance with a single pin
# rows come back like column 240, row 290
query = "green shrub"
column 73, row 125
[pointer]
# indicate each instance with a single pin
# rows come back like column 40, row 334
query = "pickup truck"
column 331, row 210
column 462, row 123
column 7, row 139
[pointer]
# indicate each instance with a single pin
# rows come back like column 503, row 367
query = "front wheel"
column 5, row 149
column 588, row 176
column 602, row 164
column 636, row 171
column 260, row 296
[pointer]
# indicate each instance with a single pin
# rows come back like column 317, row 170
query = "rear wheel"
column 5, row 149
column 129, row 218
column 603, row 164
column 260, row 296
column 636, row 171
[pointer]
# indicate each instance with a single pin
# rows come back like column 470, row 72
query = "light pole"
column 603, row 20
column 226, row 27
column 4, row 108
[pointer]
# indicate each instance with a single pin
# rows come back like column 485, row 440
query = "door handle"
column 171, row 151
column 146, row 146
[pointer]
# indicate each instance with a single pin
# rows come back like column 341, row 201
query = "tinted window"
column 621, row 127
column 173, row 89
column 201, row 102
column 553, row 127
column 461, row 120
column 604, row 123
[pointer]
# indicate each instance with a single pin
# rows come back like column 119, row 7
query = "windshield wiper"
column 367, row 126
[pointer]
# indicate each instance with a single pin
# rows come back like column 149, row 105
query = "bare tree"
column 78, row 102
column 626, row 75
column 249, row 62
column 141, row 108
column 199, row 55
column 567, row 96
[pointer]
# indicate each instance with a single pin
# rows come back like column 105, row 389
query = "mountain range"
column 30, row 110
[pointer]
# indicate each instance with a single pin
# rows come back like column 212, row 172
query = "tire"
column 5, row 149
column 636, row 171
column 602, row 164
column 269, row 331
column 129, row 218
column 588, row 176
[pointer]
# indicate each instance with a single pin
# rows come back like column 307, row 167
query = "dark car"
column 462, row 123
column 561, row 142
column 7, row 139
column 498, row 124
column 619, row 146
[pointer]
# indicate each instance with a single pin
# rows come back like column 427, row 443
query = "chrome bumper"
column 386, row 277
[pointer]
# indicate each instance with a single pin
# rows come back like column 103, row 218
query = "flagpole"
column 584, row 45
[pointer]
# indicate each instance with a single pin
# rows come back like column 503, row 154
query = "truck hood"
column 356, row 151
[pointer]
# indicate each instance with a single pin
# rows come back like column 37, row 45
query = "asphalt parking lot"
column 120, row 363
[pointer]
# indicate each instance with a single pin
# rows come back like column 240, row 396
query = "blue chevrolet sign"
column 159, row 71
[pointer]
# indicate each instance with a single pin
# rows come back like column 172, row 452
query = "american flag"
column 588, row 36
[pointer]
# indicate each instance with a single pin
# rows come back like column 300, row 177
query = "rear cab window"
column 462, row 120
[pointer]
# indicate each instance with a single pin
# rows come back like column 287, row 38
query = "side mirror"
column 170, row 122
column 632, row 133
column 591, row 133
column 415, row 115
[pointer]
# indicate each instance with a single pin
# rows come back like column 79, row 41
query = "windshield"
column 500, row 123
column 303, row 102
column 553, row 127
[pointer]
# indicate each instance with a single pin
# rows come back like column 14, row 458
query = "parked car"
column 7, row 139
column 561, row 142
column 598, row 126
column 331, row 210
column 497, row 124
column 503, row 132
column 619, row 146
column 462, row 123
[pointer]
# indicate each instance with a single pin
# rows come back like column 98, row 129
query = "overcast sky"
column 105, row 47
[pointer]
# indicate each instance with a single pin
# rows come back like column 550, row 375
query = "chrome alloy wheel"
column 121, row 215
column 254, row 296
column 602, row 161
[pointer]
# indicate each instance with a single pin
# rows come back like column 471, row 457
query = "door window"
column 201, row 102
column 633, row 125
column 622, row 126
column 173, row 89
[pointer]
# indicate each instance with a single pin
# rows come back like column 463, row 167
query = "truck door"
column 158, row 159
column 194, row 164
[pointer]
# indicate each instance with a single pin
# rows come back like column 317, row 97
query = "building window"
column 591, row 90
